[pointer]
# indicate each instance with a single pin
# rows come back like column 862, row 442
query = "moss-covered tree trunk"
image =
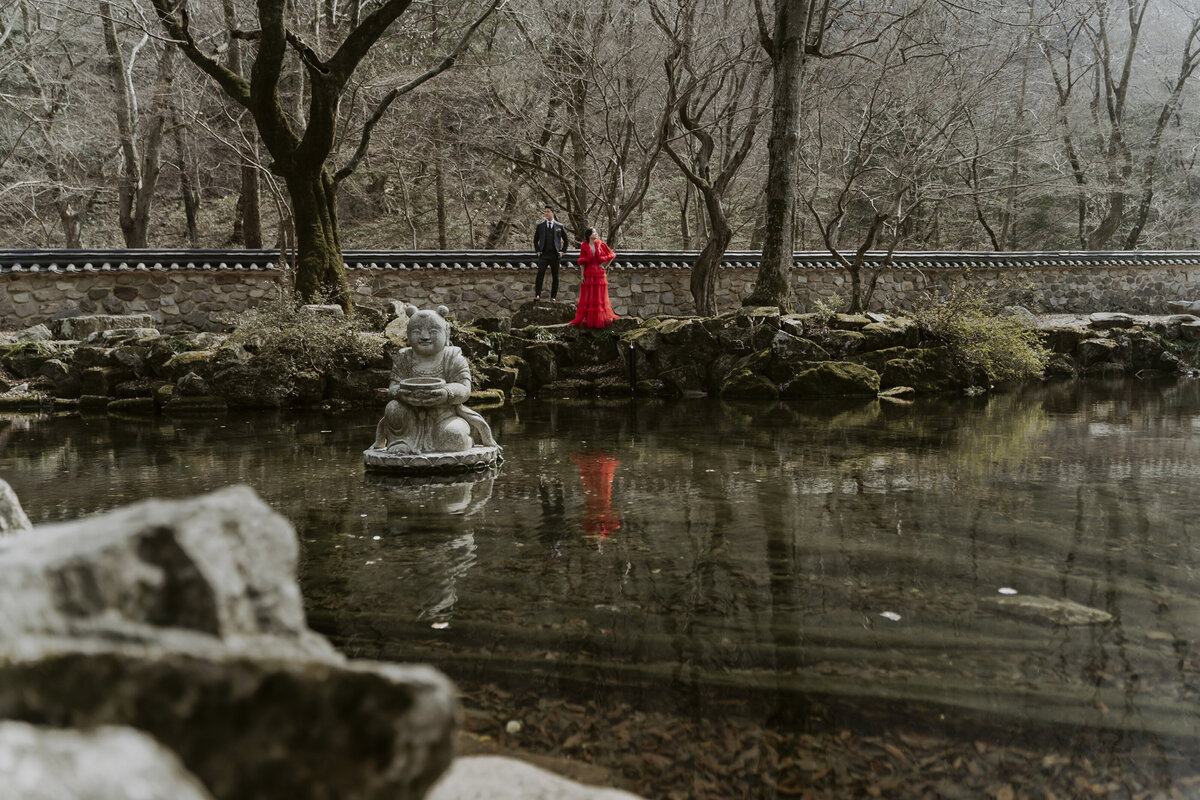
column 320, row 270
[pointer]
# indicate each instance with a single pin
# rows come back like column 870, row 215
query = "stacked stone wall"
column 202, row 299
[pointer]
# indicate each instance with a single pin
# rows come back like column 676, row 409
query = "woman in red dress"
column 594, row 310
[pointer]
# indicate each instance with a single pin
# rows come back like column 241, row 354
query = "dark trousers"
column 547, row 260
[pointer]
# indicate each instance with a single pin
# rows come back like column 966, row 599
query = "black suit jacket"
column 549, row 235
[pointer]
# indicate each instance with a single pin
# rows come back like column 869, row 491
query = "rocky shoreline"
column 124, row 365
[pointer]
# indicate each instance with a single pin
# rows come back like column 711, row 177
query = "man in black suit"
column 549, row 241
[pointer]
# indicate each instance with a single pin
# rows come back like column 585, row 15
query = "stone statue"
column 425, row 421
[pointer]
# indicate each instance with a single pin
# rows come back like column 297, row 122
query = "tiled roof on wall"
column 72, row 261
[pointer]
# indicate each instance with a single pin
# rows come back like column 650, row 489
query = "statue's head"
column 428, row 330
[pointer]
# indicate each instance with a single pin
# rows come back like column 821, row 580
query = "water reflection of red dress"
column 594, row 311
column 596, row 470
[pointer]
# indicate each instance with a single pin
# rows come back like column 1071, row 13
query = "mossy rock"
column 486, row 398
column 748, row 384
column 1106, row 369
column 91, row 355
column 1147, row 351
column 136, row 406
column 840, row 343
column 197, row 361
column 891, row 333
column 1063, row 340
column 877, row 359
column 496, row 377
column 1098, row 351
column 849, row 322
column 163, row 393
column 139, row 387
column 832, row 379
column 93, row 402
column 543, row 365
column 613, row 389
column 654, row 388
column 929, row 370
column 205, row 404
column 26, row 358
column 367, row 387
column 1060, row 365
column 737, row 339
column 103, row 380
column 493, row 324
column 567, row 388
column 593, row 347
column 789, row 347
column 521, row 367
column 685, row 379
column 26, row 402
column 309, row 387
column 248, row 385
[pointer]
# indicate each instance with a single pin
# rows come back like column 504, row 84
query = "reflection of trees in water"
column 756, row 537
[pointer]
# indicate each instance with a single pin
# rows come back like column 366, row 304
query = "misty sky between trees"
column 1015, row 125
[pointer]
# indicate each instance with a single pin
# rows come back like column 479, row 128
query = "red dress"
column 594, row 310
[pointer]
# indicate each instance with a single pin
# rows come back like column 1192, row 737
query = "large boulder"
column 744, row 384
column 85, row 326
column 1097, row 350
column 183, row 619
column 892, row 332
column 37, row 333
column 108, row 763
column 12, row 516
column 25, row 359
column 929, row 370
column 1107, row 320
column 832, row 379
column 543, row 312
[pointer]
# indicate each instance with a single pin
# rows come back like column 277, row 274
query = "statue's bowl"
column 422, row 383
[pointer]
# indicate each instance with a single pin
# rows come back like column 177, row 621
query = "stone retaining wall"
column 199, row 299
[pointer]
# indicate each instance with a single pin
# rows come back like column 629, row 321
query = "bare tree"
column 140, row 136
column 715, row 82
column 787, row 44
column 1096, row 46
column 301, row 146
column 50, row 155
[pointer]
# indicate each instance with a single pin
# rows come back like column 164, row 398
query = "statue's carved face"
column 426, row 336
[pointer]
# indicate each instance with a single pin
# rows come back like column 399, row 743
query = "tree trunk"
column 504, row 222
column 439, row 179
column 139, row 174
column 72, row 222
column 187, row 190
column 320, row 271
column 773, row 286
column 249, row 212
column 704, row 274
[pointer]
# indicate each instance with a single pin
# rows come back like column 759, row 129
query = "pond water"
column 783, row 598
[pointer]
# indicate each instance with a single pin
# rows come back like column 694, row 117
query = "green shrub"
column 980, row 338
column 286, row 340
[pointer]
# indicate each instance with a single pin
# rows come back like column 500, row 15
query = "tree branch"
column 383, row 105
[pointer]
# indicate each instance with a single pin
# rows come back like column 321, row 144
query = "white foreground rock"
column 103, row 764
column 496, row 778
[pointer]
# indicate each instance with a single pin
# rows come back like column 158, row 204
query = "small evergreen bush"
column 982, row 340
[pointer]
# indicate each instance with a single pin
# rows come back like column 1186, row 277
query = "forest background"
column 923, row 124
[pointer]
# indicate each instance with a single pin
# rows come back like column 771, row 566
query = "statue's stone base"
column 477, row 458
